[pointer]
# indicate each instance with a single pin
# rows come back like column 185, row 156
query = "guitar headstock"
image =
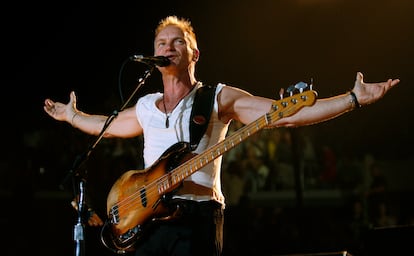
column 288, row 106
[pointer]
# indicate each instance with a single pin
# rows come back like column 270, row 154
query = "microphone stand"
column 78, row 229
column 79, row 183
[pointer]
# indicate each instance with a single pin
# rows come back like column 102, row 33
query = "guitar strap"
column 200, row 113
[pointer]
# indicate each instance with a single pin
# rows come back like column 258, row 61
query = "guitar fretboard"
column 279, row 109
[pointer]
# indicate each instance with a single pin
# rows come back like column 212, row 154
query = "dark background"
column 51, row 48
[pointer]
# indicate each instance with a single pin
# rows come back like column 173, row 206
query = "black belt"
column 194, row 208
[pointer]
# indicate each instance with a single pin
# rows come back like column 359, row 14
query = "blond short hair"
column 183, row 24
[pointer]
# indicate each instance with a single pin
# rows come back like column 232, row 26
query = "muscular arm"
column 244, row 107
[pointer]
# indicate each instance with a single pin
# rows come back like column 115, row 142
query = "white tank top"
column 158, row 138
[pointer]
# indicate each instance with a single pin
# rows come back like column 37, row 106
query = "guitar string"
column 164, row 177
column 167, row 116
column 125, row 203
column 258, row 125
column 153, row 186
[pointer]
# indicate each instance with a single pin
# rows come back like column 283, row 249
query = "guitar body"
column 136, row 200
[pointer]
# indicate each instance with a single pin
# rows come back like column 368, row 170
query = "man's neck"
column 176, row 88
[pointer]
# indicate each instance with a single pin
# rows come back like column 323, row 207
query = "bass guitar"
column 138, row 198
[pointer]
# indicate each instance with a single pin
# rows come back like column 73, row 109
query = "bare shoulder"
column 230, row 94
column 239, row 104
column 232, row 90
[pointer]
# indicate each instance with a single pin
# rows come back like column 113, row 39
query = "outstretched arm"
column 246, row 108
column 125, row 125
column 328, row 108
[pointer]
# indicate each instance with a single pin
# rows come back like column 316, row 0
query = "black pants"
column 198, row 231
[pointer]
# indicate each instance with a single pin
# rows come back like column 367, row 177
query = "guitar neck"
column 201, row 160
column 280, row 109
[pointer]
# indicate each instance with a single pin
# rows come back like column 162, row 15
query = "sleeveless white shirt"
column 158, row 138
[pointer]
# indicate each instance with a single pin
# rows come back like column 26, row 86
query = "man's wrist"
column 354, row 101
column 73, row 118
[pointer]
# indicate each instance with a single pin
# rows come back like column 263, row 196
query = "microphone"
column 160, row 61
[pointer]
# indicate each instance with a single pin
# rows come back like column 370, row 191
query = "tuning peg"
column 301, row 86
column 281, row 92
column 290, row 90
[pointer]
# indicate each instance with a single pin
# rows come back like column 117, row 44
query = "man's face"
column 172, row 43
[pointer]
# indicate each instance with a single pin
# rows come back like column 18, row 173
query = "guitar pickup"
column 114, row 216
column 143, row 196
